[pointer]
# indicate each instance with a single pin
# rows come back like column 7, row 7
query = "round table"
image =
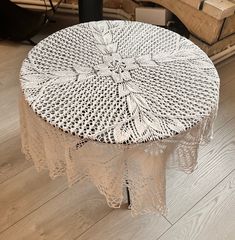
column 117, row 102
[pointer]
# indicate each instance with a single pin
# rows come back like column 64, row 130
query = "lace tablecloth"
column 117, row 102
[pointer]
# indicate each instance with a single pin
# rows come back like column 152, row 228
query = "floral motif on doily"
column 119, row 68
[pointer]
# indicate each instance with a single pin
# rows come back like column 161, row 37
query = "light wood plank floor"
column 32, row 207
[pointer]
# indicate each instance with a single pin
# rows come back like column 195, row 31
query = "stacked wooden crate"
column 223, row 14
column 211, row 23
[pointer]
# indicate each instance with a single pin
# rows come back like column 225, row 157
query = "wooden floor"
column 32, row 207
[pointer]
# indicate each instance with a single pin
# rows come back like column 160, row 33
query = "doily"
column 116, row 102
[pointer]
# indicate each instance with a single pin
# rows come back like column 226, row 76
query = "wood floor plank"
column 11, row 57
column 12, row 161
column 9, row 117
column 226, row 94
column 216, row 160
column 22, row 194
column 64, row 217
column 226, row 70
column 226, row 104
column 212, row 218
column 119, row 224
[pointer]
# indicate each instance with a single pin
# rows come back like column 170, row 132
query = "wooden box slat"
column 36, row 4
column 226, row 44
column 219, row 9
column 193, row 3
column 129, row 6
column 34, row 7
column 229, row 27
column 117, row 4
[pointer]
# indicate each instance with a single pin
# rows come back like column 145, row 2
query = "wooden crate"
column 158, row 16
column 206, row 19
column 210, row 22
column 39, row 5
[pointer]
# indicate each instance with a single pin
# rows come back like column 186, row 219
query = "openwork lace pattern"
column 150, row 92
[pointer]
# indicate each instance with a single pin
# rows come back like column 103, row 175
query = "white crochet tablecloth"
column 117, row 102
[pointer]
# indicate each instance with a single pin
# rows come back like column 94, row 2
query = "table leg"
column 128, row 198
column 90, row 10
